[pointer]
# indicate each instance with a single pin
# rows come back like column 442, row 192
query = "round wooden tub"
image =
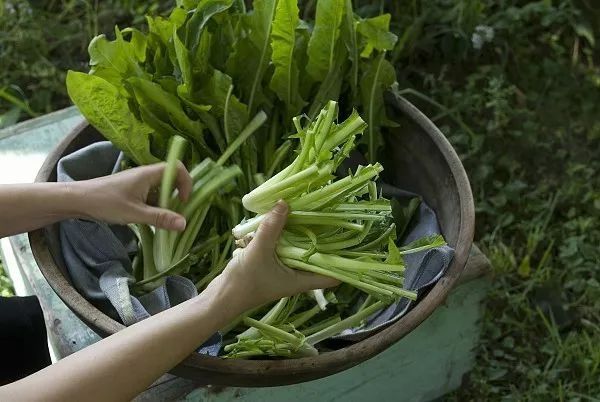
column 426, row 164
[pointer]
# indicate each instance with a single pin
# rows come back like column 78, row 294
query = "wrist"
column 75, row 199
column 223, row 292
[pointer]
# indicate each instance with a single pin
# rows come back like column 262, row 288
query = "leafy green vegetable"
column 376, row 34
column 325, row 38
column 285, row 78
column 378, row 75
column 107, row 110
column 226, row 90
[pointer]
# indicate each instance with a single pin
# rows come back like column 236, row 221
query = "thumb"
column 271, row 227
column 162, row 218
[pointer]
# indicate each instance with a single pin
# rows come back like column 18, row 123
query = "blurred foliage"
column 6, row 288
column 40, row 40
column 515, row 85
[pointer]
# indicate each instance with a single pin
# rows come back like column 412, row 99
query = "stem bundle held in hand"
column 338, row 227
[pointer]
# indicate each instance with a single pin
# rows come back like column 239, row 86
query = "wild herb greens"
column 227, row 90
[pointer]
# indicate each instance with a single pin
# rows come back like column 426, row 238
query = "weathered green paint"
column 423, row 366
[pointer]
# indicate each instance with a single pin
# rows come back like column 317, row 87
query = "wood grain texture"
column 422, row 160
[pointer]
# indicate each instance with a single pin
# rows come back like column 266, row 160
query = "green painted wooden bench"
column 423, row 366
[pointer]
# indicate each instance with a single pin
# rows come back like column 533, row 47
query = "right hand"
column 255, row 276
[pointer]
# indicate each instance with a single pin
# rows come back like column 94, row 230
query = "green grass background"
column 515, row 86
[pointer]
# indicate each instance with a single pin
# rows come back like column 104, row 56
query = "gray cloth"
column 423, row 269
column 98, row 256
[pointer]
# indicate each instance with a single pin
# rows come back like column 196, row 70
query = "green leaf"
column 378, row 75
column 114, row 60
column 283, row 39
column 403, row 211
column 167, row 107
column 376, row 35
column 252, row 54
column 394, row 256
column 224, row 34
column 162, row 28
column 524, row 269
column 349, row 35
column 107, row 110
column 324, row 39
column 585, row 30
column 10, row 117
column 139, row 43
column 201, row 63
column 217, row 91
column 331, row 86
column 423, row 243
column 205, row 10
column 183, row 60
column 235, row 116
column 301, row 55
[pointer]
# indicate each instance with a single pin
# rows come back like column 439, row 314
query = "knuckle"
column 162, row 219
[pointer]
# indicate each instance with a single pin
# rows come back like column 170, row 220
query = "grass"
column 6, row 288
column 522, row 111
column 515, row 85
column 40, row 40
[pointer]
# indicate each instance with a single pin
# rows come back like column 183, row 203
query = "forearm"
column 24, row 207
column 125, row 364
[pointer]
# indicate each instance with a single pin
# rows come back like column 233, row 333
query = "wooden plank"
column 23, row 147
column 66, row 333
column 426, row 364
column 40, row 123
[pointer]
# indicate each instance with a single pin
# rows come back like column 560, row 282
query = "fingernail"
column 281, row 207
column 179, row 223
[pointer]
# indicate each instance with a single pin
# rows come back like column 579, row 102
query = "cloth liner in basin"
column 98, row 256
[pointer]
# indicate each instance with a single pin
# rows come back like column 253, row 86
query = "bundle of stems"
column 338, row 227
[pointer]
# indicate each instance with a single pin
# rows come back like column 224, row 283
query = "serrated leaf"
column 167, row 107
column 283, row 40
column 394, row 256
column 324, row 39
column 424, row 243
column 204, row 11
column 375, row 34
column 113, row 60
column 403, row 213
column 252, row 54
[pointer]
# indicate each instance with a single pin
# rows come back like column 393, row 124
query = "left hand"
column 125, row 197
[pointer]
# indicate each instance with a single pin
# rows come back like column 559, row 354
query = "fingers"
column 162, row 218
column 183, row 182
column 271, row 227
column 309, row 281
column 154, row 173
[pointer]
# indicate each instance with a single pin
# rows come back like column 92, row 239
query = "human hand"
column 255, row 275
column 127, row 197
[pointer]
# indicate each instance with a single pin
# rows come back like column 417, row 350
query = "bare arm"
column 123, row 365
column 121, row 198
